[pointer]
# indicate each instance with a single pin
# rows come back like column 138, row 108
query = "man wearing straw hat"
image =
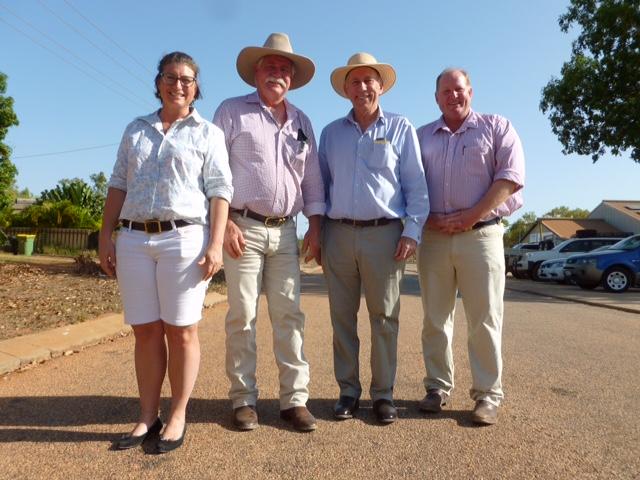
column 374, row 181
column 274, row 163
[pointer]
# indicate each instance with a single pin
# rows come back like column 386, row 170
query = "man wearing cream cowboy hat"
column 374, row 180
column 274, row 163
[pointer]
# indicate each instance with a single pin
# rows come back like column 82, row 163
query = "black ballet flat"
column 131, row 441
column 165, row 446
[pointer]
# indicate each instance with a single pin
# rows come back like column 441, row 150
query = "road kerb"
column 38, row 347
column 577, row 300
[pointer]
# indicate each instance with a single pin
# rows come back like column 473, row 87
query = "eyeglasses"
column 170, row 79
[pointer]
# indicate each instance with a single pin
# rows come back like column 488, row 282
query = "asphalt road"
column 571, row 407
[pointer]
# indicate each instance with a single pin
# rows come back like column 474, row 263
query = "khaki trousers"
column 270, row 263
column 473, row 263
column 355, row 257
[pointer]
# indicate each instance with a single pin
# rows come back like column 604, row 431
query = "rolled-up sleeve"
column 216, row 172
column 118, row 178
column 509, row 154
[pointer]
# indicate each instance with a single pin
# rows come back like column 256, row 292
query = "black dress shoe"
column 130, row 441
column 165, row 446
column 345, row 407
column 385, row 411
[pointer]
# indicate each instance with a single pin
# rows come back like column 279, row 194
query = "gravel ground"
column 39, row 292
column 39, row 297
column 572, row 398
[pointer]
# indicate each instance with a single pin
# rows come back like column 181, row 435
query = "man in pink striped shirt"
column 276, row 174
column 474, row 165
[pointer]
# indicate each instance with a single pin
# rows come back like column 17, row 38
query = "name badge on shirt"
column 381, row 141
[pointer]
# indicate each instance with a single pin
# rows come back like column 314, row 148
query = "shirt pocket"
column 296, row 153
column 477, row 159
column 382, row 156
column 143, row 150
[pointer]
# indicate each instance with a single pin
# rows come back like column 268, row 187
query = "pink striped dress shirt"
column 275, row 170
column 461, row 166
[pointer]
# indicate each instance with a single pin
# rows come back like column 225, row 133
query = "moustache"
column 279, row 81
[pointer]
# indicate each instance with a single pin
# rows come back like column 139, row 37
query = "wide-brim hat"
column 363, row 59
column 276, row 44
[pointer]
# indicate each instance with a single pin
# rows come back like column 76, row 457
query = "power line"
column 108, row 37
column 93, row 44
column 37, row 42
column 135, row 98
column 48, row 154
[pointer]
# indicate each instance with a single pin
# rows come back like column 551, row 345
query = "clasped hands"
column 452, row 223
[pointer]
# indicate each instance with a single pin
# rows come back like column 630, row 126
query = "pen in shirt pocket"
column 302, row 138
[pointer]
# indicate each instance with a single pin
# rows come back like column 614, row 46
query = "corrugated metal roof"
column 628, row 207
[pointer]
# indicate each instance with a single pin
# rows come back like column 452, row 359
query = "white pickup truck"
column 529, row 262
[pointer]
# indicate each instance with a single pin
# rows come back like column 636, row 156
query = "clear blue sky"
column 510, row 47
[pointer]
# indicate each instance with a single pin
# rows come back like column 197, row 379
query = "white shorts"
column 159, row 276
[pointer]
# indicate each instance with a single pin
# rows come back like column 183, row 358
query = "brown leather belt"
column 486, row 223
column 268, row 221
column 376, row 222
column 154, row 226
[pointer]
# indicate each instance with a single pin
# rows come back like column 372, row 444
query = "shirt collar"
column 154, row 120
column 292, row 111
column 470, row 122
column 350, row 118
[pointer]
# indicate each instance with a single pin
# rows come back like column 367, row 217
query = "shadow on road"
column 42, row 415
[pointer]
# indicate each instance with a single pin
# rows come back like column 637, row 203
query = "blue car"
column 616, row 268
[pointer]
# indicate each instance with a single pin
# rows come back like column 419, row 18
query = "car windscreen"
column 630, row 243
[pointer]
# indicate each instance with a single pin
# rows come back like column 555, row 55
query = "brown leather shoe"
column 300, row 418
column 484, row 413
column 433, row 401
column 245, row 417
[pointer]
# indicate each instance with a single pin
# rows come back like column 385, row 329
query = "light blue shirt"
column 375, row 174
column 172, row 175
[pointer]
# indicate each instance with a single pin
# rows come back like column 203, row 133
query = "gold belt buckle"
column 274, row 221
column 152, row 226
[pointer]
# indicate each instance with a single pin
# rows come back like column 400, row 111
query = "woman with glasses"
column 169, row 192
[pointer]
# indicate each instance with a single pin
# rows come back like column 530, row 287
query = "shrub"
column 62, row 214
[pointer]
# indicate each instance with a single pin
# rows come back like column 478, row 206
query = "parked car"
column 513, row 254
column 530, row 262
column 552, row 270
column 617, row 268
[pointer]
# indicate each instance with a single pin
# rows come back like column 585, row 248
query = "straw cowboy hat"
column 363, row 59
column 276, row 44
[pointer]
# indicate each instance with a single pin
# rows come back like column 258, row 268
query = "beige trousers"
column 355, row 258
column 472, row 263
column 270, row 263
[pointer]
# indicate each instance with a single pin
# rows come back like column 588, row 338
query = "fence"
column 79, row 238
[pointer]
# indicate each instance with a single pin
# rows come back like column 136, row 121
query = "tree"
column 517, row 229
column 25, row 193
column 566, row 212
column 79, row 193
column 100, row 183
column 8, row 170
column 594, row 105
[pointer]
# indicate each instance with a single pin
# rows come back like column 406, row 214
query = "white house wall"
column 616, row 218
